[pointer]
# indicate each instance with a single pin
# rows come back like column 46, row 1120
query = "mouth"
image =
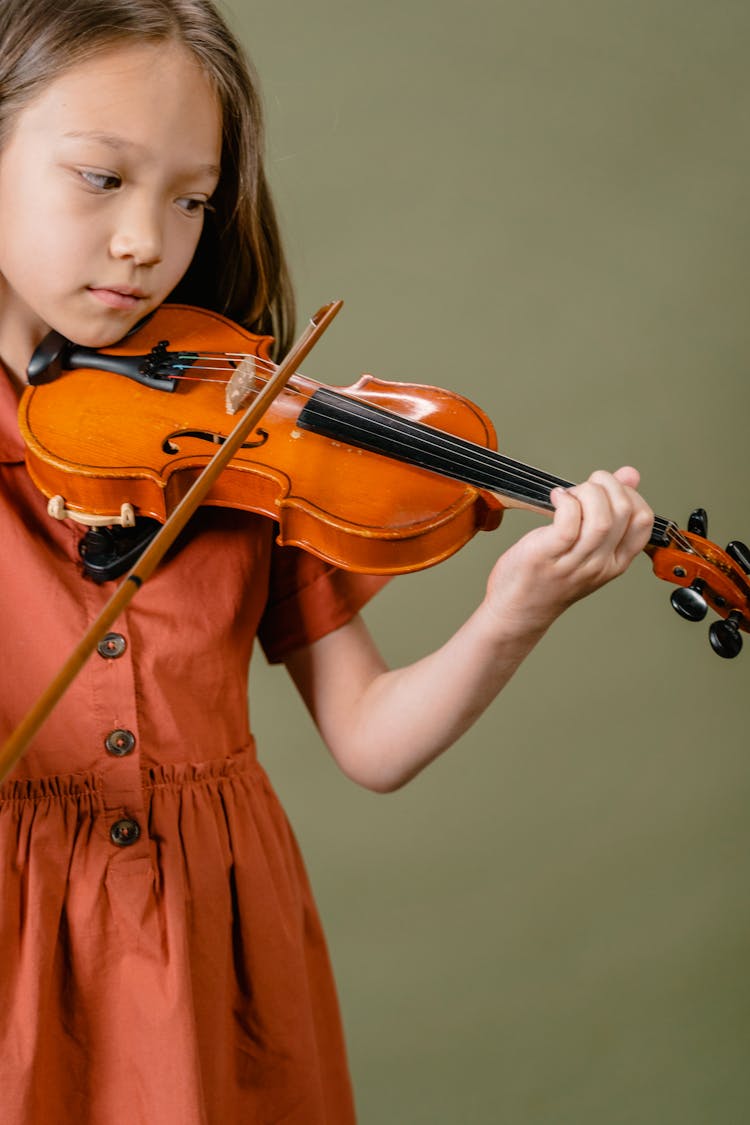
column 118, row 297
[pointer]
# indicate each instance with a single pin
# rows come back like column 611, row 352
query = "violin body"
column 380, row 478
column 99, row 441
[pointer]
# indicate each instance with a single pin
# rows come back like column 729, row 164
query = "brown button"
column 112, row 645
column 119, row 742
column 124, row 832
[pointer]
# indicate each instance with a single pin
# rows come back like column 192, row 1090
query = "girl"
column 162, row 959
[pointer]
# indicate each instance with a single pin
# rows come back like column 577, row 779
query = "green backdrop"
column 544, row 205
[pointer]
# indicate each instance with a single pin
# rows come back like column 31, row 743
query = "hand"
column 597, row 530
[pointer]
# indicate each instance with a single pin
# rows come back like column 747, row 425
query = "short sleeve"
column 308, row 598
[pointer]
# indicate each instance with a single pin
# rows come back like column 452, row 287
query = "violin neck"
column 354, row 422
column 365, row 426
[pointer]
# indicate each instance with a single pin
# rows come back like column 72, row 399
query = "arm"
column 384, row 726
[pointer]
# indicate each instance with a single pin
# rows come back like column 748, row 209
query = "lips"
column 118, row 297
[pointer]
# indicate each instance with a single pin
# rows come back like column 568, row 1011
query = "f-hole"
column 169, row 444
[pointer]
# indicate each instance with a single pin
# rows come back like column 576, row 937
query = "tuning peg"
column 740, row 554
column 689, row 602
column 698, row 522
column 725, row 635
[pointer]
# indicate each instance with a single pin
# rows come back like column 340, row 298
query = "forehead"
column 153, row 96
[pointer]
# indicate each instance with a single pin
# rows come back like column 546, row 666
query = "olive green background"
column 544, row 205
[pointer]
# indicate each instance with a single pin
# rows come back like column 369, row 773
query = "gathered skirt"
column 186, row 986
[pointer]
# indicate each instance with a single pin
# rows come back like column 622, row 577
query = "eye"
column 193, row 206
column 100, row 181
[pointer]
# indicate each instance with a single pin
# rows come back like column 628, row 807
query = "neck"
column 16, row 378
column 21, row 331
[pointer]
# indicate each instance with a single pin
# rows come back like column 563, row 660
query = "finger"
column 632, row 519
column 604, row 506
column 641, row 524
column 632, row 513
column 608, row 508
column 611, row 523
column 639, row 530
column 628, row 475
column 596, row 525
column 566, row 525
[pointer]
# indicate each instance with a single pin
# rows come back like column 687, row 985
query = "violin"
column 377, row 477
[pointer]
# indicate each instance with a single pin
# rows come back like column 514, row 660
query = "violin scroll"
column 706, row 577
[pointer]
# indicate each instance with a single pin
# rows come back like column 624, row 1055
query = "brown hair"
column 239, row 268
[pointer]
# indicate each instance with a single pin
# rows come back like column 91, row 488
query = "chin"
column 97, row 332
column 90, row 338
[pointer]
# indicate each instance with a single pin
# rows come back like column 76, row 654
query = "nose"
column 137, row 234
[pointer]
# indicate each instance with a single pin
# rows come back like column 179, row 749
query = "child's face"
column 102, row 185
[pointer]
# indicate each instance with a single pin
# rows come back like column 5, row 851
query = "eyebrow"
column 114, row 141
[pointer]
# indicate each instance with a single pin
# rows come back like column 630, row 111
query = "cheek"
column 188, row 240
column 37, row 234
column 34, row 233
column 180, row 248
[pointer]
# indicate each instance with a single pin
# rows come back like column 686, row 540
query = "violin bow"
column 13, row 748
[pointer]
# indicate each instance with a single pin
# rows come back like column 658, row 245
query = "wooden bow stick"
column 15, row 745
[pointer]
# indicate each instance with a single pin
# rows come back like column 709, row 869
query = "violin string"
column 526, row 476
column 480, row 453
column 488, row 458
column 459, row 451
column 198, row 378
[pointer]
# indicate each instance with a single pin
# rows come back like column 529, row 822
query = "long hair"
column 239, row 267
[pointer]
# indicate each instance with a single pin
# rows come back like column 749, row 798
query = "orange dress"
column 161, row 958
